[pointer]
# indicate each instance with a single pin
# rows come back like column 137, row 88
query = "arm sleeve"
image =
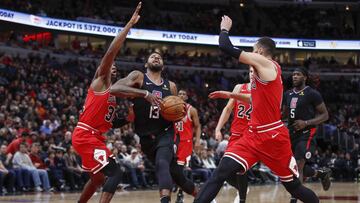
column 226, row 46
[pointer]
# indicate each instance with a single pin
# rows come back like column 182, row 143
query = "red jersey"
column 185, row 126
column 266, row 98
column 242, row 112
column 98, row 111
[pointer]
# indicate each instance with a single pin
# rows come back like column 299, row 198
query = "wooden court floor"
column 339, row 192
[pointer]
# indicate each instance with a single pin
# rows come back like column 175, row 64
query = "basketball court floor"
column 339, row 192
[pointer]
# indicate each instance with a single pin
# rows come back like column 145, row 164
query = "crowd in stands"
column 211, row 59
column 41, row 98
column 250, row 20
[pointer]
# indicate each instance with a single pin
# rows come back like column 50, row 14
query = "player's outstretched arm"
column 197, row 127
column 230, row 95
column 106, row 62
column 225, row 115
column 125, row 87
column 264, row 67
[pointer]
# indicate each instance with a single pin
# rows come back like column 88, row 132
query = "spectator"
column 40, row 177
column 137, row 169
column 46, row 128
column 56, row 168
column 208, row 161
column 8, row 178
column 76, row 175
column 198, row 168
column 22, row 175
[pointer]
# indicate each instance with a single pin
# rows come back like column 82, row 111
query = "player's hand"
column 218, row 135
column 226, row 23
column 197, row 145
column 154, row 100
column 299, row 125
column 135, row 17
column 220, row 95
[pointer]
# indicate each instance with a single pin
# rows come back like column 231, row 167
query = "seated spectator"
column 137, row 169
column 56, row 169
column 349, row 168
column 15, row 144
column 22, row 175
column 198, row 167
column 123, row 153
column 76, row 176
column 208, row 161
column 7, row 178
column 40, row 177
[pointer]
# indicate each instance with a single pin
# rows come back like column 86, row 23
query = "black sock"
column 165, row 199
column 226, row 168
column 298, row 191
column 308, row 171
column 293, row 200
column 242, row 181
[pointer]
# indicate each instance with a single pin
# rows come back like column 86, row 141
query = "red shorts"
column 184, row 151
column 234, row 138
column 92, row 149
column 271, row 147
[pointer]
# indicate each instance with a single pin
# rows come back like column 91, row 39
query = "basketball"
column 173, row 108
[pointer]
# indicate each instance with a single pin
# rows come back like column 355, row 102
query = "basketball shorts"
column 303, row 144
column 92, row 150
column 270, row 146
column 184, row 151
column 151, row 143
column 234, row 138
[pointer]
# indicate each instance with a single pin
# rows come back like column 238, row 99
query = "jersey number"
column 244, row 112
column 110, row 114
column 179, row 126
column 292, row 113
column 154, row 112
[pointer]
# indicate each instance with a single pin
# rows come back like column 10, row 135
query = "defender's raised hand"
column 135, row 17
column 226, row 23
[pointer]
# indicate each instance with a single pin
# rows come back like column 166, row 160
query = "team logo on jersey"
column 293, row 167
column 157, row 93
column 112, row 99
column 308, row 155
column 293, row 102
column 165, row 87
column 253, row 84
column 301, row 94
column 100, row 156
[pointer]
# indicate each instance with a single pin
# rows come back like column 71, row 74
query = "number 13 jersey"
column 148, row 120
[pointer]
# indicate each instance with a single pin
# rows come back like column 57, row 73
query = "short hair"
column 151, row 53
column 268, row 44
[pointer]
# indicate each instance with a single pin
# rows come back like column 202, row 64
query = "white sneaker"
column 213, row 201
column 237, row 198
column 38, row 189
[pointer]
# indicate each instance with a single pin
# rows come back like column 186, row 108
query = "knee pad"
column 292, row 185
column 111, row 169
column 112, row 182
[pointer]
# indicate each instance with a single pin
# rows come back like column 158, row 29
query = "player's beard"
column 155, row 67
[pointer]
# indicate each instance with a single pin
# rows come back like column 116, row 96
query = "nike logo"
column 291, row 93
column 273, row 136
column 148, row 83
column 306, row 131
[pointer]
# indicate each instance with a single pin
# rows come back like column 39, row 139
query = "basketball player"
column 267, row 139
column 95, row 119
column 238, row 102
column 156, row 134
column 187, row 128
column 305, row 108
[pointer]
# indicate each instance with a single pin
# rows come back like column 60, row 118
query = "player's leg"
column 282, row 163
column 227, row 167
column 298, row 148
column 240, row 182
column 114, row 174
column 163, row 157
column 178, row 175
column 95, row 181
